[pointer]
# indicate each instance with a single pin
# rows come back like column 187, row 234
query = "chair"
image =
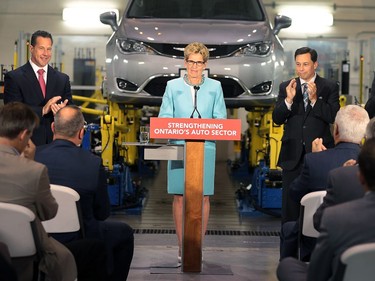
column 68, row 217
column 309, row 204
column 18, row 231
column 359, row 262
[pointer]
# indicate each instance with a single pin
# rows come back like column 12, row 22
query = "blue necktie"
column 305, row 96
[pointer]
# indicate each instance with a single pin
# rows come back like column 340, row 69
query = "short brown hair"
column 16, row 117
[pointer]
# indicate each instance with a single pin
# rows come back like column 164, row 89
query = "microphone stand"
column 196, row 88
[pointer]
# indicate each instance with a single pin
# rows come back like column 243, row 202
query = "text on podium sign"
column 195, row 128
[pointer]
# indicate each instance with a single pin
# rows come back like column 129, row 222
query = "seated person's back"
column 70, row 165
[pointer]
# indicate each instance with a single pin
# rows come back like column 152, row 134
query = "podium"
column 195, row 132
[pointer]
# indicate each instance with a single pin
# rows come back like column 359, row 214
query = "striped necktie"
column 305, row 96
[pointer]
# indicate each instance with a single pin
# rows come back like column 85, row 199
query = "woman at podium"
column 192, row 96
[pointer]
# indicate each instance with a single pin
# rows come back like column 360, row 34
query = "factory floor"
column 237, row 247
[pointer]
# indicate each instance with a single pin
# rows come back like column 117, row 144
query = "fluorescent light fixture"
column 85, row 15
column 308, row 18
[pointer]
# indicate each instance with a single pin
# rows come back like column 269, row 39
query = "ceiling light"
column 308, row 18
column 85, row 15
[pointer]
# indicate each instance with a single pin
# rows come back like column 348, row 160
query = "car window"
column 244, row 10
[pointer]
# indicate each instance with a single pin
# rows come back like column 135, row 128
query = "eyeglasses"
column 197, row 63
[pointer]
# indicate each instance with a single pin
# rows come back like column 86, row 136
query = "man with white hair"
column 343, row 226
column 343, row 184
column 348, row 132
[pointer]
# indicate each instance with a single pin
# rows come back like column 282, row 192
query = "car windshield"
column 244, row 10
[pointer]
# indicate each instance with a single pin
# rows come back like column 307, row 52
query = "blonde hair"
column 196, row 48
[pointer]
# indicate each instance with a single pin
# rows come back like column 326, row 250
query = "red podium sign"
column 195, row 129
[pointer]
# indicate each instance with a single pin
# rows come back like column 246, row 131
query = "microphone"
column 196, row 88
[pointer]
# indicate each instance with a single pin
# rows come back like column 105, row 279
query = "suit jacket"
column 343, row 226
column 370, row 104
column 316, row 167
column 343, row 186
column 25, row 182
column 81, row 170
column 22, row 85
column 302, row 127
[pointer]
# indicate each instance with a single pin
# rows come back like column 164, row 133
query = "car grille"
column 177, row 50
column 231, row 88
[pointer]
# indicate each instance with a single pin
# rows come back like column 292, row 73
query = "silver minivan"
column 146, row 49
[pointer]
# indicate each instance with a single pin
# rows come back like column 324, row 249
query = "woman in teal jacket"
column 178, row 102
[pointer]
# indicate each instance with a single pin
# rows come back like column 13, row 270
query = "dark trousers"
column 291, row 269
column 90, row 256
column 289, row 242
column 119, row 240
column 289, row 208
column 7, row 271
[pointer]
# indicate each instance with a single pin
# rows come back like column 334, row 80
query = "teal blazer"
column 178, row 103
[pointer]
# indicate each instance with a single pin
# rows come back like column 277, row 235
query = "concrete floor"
column 236, row 248
column 233, row 258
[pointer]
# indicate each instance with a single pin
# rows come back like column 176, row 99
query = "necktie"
column 42, row 83
column 305, row 96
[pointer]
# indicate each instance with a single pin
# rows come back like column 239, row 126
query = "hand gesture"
column 311, row 90
column 350, row 162
column 54, row 105
column 48, row 107
column 291, row 91
column 57, row 106
column 29, row 151
column 317, row 145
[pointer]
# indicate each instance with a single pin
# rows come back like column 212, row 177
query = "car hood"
column 187, row 31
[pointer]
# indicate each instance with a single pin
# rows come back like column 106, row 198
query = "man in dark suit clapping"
column 303, row 121
column 40, row 86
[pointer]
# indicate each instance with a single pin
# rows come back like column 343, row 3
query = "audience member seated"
column 348, row 132
column 25, row 182
column 342, row 226
column 72, row 166
column 343, row 183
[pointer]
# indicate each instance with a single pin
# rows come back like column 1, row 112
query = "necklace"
column 186, row 79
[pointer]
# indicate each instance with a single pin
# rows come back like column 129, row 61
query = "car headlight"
column 132, row 46
column 254, row 49
column 262, row 88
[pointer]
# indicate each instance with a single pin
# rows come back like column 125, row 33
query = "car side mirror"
column 281, row 22
column 109, row 18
